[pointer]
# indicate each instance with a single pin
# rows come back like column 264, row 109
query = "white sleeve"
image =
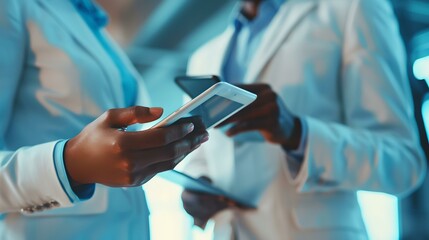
column 28, row 180
column 377, row 147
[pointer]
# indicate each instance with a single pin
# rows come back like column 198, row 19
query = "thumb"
column 123, row 117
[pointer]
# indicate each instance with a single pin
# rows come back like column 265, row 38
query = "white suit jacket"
column 55, row 79
column 339, row 65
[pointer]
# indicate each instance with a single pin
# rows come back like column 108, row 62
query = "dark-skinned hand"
column 272, row 119
column 103, row 154
column 268, row 115
column 202, row 206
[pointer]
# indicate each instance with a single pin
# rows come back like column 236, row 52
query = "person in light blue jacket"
column 67, row 93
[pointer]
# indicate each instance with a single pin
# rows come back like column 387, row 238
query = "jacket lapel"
column 282, row 25
column 142, row 97
column 63, row 11
column 221, row 50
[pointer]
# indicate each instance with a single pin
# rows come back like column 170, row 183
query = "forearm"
column 295, row 157
column 341, row 158
column 374, row 146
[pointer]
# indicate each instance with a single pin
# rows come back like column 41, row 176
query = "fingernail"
column 156, row 111
column 190, row 127
column 177, row 161
column 205, row 138
column 199, row 145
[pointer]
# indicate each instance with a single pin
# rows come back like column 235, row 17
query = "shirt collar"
column 93, row 11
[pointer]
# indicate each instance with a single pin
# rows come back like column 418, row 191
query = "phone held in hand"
column 201, row 186
column 213, row 106
column 195, row 85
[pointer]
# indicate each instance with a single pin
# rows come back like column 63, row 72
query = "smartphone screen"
column 215, row 109
column 194, row 86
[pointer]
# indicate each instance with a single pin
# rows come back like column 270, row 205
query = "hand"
column 203, row 206
column 103, row 154
column 269, row 116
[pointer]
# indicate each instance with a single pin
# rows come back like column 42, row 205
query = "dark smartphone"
column 195, row 85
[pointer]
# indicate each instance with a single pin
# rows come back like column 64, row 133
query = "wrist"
column 293, row 140
column 75, row 192
column 70, row 166
column 82, row 190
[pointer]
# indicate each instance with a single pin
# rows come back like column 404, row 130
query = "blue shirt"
column 246, row 40
column 96, row 19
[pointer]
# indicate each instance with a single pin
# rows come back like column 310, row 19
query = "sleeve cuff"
column 298, row 154
column 295, row 157
column 75, row 194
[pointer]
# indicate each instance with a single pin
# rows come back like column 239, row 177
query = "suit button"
column 51, row 204
column 27, row 210
column 54, row 204
column 39, row 208
column 47, row 205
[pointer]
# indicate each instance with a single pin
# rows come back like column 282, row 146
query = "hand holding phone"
column 213, row 106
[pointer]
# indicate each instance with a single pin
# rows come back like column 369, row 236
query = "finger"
column 211, row 201
column 123, row 117
column 155, row 137
column 197, row 139
column 199, row 127
column 228, row 202
column 267, row 97
column 159, row 167
column 191, row 204
column 163, row 154
column 255, row 88
column 169, row 152
column 201, row 204
column 201, row 223
column 189, row 197
column 213, row 205
column 195, row 200
column 147, row 179
column 196, row 120
column 190, row 194
column 269, row 110
column 254, row 125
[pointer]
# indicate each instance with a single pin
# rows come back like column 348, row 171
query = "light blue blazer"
column 55, row 79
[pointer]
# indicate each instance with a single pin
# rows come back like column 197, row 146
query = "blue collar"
column 90, row 9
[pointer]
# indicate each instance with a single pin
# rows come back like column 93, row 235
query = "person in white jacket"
column 334, row 115
column 67, row 95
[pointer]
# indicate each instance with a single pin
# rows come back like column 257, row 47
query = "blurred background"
column 159, row 36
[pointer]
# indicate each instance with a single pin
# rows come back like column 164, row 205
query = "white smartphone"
column 214, row 105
